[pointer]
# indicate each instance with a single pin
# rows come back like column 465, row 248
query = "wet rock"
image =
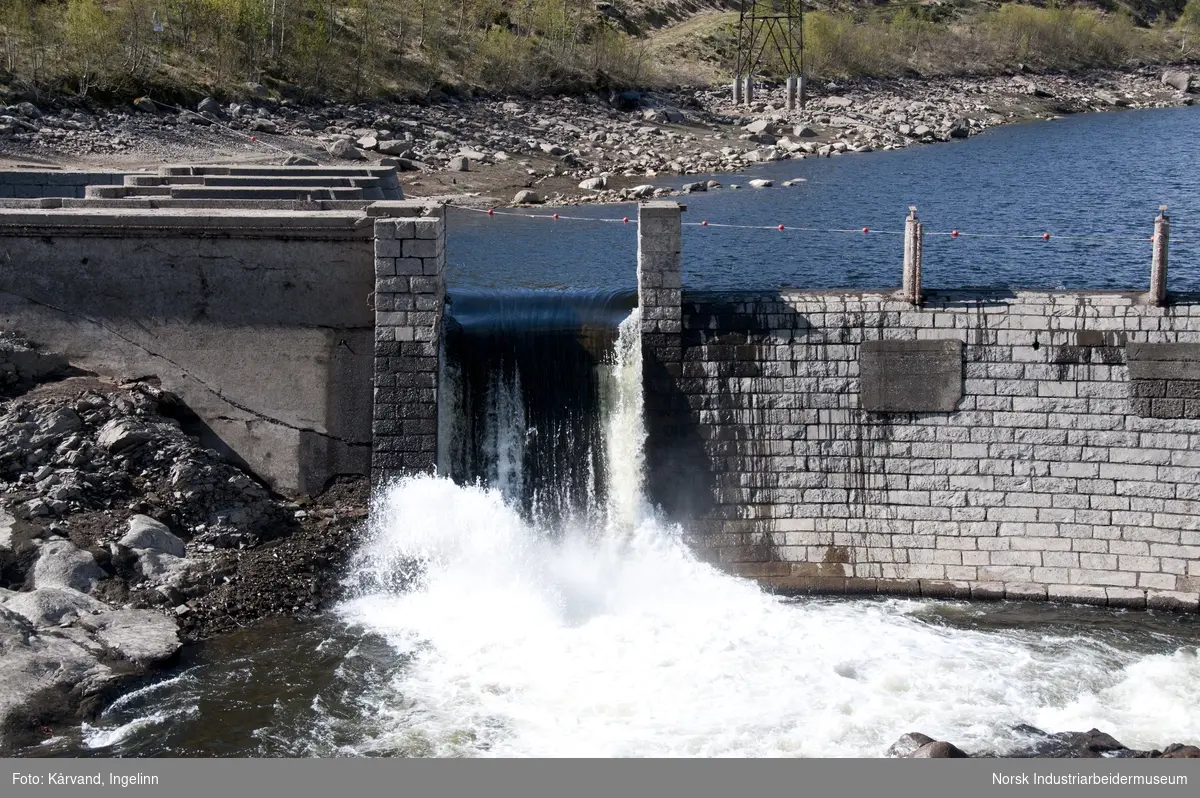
column 1061, row 745
column 1180, row 751
column 61, row 564
column 43, row 677
column 908, row 744
column 52, row 606
column 938, row 749
column 960, row 129
column 640, row 192
column 691, row 188
column 761, row 183
column 143, row 637
column 146, row 534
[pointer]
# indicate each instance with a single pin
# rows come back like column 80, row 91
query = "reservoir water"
column 1099, row 176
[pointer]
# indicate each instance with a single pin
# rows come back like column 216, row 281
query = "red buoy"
column 625, row 220
column 1045, row 236
column 491, row 211
column 704, row 223
column 252, row 139
column 954, row 233
column 556, row 216
column 780, row 227
column 866, row 229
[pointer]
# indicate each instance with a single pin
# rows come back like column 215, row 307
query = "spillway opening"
column 531, row 383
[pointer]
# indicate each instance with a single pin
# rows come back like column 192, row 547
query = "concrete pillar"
column 801, row 91
column 749, row 89
column 737, row 89
column 660, row 300
column 1158, row 262
column 410, row 291
column 911, row 285
column 793, row 90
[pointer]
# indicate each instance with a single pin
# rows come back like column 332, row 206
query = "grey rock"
column 838, row 102
column 1178, row 80
column 367, row 143
column 51, row 606
column 61, row 564
column 345, row 150
column 50, row 668
column 460, row 163
column 759, row 182
column 803, row 131
column 761, row 126
column 28, row 110
column 938, row 749
column 552, row 149
column 143, row 637
column 908, row 744
column 299, row 160
column 264, row 126
column 527, row 197
column 209, row 106
column 6, row 532
column 691, row 188
column 149, row 535
column 961, row 129
column 145, row 105
column 120, row 434
column 594, row 183
column 393, row 147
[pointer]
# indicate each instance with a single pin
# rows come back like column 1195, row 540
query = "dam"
column 953, row 443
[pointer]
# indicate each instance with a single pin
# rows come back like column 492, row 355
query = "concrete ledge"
column 212, row 223
column 771, row 577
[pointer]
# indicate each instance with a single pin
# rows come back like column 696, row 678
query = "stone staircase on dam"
column 249, row 187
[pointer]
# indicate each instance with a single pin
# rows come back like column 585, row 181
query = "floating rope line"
column 955, row 233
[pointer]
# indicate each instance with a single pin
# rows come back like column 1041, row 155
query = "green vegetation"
column 909, row 40
column 341, row 47
column 357, row 48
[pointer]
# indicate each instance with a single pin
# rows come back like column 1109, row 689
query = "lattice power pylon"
column 774, row 27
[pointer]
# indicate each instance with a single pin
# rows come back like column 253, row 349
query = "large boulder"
column 1180, row 81
column 61, row 564
column 594, row 183
column 146, row 534
column 527, row 197
column 345, row 150
column 52, row 606
column 143, row 637
column 938, row 749
column 124, row 433
column 908, row 744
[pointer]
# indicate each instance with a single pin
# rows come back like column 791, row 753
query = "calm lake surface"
column 1101, row 175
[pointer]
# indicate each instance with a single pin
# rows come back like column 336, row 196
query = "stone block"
column 1163, row 361
column 910, row 376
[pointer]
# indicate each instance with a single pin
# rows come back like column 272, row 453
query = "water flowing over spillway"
column 480, row 626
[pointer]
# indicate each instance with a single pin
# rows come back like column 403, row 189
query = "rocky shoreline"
column 122, row 538
column 576, row 149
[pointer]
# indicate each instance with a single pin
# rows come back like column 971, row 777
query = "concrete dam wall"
column 258, row 320
column 985, row 444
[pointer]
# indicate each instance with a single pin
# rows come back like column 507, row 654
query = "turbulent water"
column 476, row 628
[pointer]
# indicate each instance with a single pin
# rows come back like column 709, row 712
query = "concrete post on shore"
column 748, row 91
column 911, row 285
column 795, row 93
column 410, row 291
column 1158, row 261
column 737, row 89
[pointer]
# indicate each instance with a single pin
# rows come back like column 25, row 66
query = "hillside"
column 181, row 49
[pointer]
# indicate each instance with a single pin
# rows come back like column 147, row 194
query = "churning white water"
column 611, row 639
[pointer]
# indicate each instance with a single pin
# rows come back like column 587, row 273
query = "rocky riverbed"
column 122, row 538
column 587, row 148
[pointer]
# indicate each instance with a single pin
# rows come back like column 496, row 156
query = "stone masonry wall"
column 410, row 291
column 1054, row 475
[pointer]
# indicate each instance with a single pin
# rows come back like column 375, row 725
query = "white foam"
column 587, row 644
